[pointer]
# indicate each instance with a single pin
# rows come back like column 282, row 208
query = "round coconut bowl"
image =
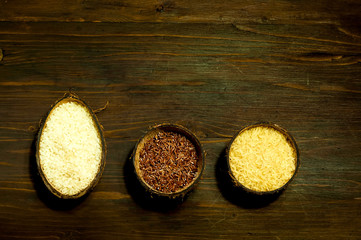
column 70, row 97
column 289, row 139
column 175, row 129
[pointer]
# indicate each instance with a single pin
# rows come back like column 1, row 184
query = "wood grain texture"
column 212, row 11
column 212, row 67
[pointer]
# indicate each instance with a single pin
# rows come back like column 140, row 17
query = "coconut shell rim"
column 289, row 138
column 94, row 182
column 194, row 139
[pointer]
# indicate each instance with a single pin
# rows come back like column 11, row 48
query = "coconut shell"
column 289, row 138
column 70, row 97
column 176, row 129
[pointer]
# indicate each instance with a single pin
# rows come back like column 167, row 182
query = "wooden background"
column 213, row 66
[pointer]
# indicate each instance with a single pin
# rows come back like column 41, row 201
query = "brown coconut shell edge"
column 169, row 127
column 289, row 138
column 68, row 97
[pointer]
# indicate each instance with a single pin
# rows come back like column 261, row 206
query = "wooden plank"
column 212, row 78
column 276, row 12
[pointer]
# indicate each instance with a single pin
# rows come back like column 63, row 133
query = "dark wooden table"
column 213, row 66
